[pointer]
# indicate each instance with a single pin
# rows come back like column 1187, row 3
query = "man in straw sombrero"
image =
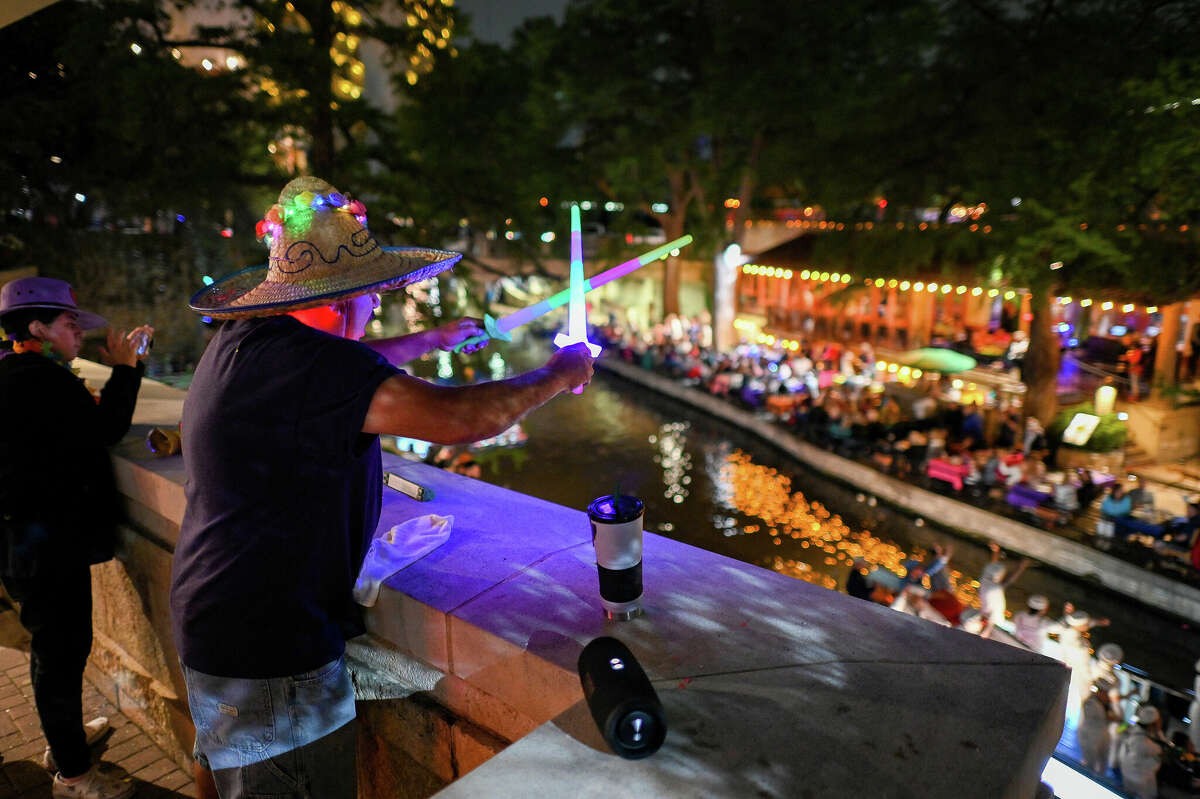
column 284, row 484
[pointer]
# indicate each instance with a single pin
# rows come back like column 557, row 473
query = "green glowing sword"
column 499, row 328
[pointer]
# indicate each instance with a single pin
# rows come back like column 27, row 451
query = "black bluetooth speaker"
column 621, row 698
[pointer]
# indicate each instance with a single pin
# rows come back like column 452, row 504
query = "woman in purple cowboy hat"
column 58, row 505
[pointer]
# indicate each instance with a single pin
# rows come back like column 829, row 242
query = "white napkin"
column 397, row 548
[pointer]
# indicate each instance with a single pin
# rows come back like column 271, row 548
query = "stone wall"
column 1165, row 432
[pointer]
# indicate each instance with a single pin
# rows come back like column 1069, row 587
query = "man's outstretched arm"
column 413, row 408
column 402, row 349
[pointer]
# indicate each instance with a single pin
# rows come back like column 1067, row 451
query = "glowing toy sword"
column 499, row 328
column 576, row 310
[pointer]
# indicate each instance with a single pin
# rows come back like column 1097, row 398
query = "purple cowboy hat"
column 45, row 292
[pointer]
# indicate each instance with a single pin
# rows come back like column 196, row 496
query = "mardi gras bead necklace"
column 46, row 349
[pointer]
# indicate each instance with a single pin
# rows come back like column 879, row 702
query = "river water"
column 711, row 485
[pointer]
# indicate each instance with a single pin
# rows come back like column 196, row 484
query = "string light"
column 919, row 286
column 297, row 213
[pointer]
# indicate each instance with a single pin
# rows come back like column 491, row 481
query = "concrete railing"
column 769, row 683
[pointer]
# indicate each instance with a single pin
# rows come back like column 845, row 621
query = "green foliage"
column 131, row 132
column 1109, row 435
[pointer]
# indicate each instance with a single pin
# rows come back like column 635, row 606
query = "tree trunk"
column 321, row 92
column 673, row 229
column 1041, row 360
column 1166, row 357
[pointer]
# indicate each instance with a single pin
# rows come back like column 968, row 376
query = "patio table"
column 952, row 473
column 1027, row 497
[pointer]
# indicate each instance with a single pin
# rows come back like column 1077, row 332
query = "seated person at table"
column 1117, row 505
column 978, row 461
column 1140, row 496
column 1186, row 529
column 937, row 443
column 1009, row 474
column 988, row 471
column 1087, row 491
column 1182, row 536
column 1034, row 468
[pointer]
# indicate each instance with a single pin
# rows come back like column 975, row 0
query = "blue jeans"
column 290, row 737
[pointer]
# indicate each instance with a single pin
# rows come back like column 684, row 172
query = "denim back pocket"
column 232, row 713
column 322, row 701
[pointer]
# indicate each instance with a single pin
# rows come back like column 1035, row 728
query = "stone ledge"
column 838, row 730
column 511, row 598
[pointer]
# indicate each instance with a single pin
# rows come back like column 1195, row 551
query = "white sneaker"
column 93, row 731
column 92, row 785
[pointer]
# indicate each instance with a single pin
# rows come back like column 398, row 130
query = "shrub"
column 1109, row 435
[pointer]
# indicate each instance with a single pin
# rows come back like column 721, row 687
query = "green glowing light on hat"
column 299, row 217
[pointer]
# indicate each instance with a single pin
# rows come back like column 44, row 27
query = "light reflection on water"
column 715, row 487
column 827, row 543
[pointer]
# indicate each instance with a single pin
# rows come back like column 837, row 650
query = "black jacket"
column 58, row 497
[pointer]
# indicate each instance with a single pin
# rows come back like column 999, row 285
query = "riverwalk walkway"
column 127, row 751
column 1058, row 551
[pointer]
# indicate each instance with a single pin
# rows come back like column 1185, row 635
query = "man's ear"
column 38, row 329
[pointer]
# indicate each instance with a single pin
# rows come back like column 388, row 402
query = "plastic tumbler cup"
column 617, row 538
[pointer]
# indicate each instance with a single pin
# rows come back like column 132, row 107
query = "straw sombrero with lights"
column 321, row 252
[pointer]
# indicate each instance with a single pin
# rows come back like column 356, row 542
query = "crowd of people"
column 832, row 394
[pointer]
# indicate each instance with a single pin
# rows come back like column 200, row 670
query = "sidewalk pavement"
column 127, row 749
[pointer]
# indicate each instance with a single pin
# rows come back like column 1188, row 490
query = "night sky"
column 494, row 20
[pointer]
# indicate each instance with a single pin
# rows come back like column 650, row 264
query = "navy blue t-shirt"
column 283, row 496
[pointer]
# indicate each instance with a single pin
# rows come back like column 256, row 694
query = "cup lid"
column 615, row 510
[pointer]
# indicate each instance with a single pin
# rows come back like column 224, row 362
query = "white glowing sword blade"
column 576, row 310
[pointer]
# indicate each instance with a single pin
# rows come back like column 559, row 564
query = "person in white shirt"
column 995, row 579
column 1033, row 627
column 1140, row 754
column 1097, row 718
column 912, row 600
column 1010, row 474
column 1121, row 695
column 1076, row 652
